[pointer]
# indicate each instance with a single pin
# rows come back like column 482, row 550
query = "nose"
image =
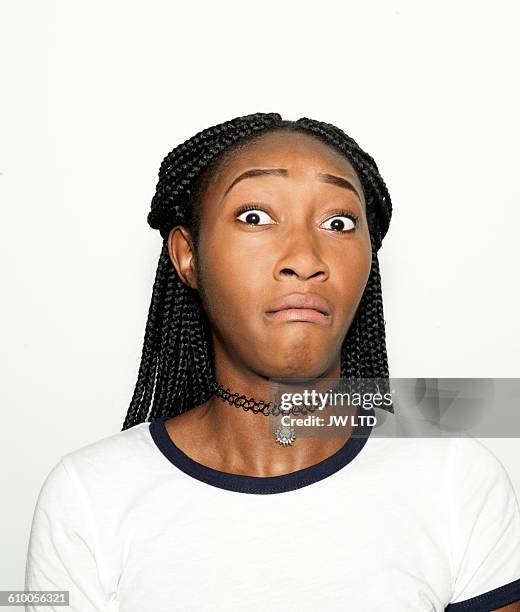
column 301, row 258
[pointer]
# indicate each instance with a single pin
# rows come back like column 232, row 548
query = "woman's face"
column 300, row 240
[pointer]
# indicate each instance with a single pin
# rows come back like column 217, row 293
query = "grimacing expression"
column 300, row 235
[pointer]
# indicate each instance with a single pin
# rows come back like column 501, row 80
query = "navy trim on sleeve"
column 487, row 602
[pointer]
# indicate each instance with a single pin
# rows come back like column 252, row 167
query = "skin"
column 243, row 268
column 514, row 607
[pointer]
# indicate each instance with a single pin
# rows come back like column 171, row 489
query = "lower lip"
column 299, row 314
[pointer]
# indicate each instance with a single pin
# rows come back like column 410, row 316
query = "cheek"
column 234, row 285
column 352, row 274
column 356, row 270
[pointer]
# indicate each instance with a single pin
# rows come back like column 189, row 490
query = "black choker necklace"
column 284, row 434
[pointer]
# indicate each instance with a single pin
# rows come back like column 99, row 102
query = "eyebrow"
column 324, row 177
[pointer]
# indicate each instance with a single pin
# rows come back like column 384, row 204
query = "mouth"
column 302, row 315
column 300, row 307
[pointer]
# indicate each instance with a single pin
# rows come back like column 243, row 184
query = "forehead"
column 298, row 152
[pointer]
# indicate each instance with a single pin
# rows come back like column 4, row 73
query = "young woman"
column 269, row 272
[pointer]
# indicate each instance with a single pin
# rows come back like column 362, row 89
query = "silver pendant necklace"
column 285, row 435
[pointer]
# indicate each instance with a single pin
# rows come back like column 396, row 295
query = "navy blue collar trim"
column 241, row 483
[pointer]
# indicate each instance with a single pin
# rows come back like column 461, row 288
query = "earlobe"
column 182, row 254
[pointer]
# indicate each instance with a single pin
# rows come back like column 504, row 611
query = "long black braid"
column 177, row 363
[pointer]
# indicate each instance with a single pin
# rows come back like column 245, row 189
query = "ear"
column 182, row 254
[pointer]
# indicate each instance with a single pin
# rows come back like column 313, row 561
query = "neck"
column 230, row 439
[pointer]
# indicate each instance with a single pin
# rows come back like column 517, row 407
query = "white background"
column 95, row 94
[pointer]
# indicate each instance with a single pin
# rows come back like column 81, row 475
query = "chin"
column 297, row 366
column 292, row 355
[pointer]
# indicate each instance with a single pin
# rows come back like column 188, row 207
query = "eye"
column 253, row 215
column 344, row 222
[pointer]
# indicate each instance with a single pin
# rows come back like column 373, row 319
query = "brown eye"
column 342, row 223
column 253, row 216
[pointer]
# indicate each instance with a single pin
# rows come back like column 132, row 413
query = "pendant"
column 285, row 435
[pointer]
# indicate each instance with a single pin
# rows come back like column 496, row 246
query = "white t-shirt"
column 130, row 523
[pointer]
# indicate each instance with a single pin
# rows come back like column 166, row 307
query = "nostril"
column 287, row 271
column 316, row 273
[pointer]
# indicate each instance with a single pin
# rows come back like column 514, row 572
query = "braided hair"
column 176, row 371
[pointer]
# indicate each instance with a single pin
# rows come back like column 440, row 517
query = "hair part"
column 177, row 363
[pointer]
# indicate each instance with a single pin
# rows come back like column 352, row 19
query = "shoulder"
column 117, row 454
column 118, row 447
column 461, row 470
column 479, row 481
column 104, row 467
column 472, row 460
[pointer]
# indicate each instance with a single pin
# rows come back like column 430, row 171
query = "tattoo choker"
column 284, row 434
